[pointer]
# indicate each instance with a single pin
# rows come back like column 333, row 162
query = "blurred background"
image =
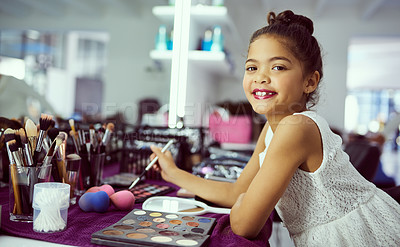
column 96, row 59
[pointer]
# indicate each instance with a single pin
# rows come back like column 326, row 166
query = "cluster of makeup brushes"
column 94, row 141
column 30, row 151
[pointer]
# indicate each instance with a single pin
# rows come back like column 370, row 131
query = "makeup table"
column 81, row 225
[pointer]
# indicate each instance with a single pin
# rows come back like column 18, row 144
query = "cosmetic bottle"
column 170, row 40
column 207, row 40
column 217, row 2
column 217, row 40
column 161, row 38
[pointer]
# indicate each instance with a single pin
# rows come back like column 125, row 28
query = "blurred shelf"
column 213, row 62
column 200, row 13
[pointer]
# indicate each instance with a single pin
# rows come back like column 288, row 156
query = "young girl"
column 298, row 166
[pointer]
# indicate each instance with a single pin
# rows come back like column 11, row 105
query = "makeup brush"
column 107, row 137
column 75, row 141
column 31, row 134
column 8, row 136
column 45, row 121
column 57, row 174
column 21, row 176
column 46, row 165
column 26, row 148
column 150, row 165
column 72, row 125
column 60, row 155
column 14, row 180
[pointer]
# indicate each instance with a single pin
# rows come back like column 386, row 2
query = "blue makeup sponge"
column 97, row 201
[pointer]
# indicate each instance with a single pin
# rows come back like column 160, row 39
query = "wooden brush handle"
column 17, row 196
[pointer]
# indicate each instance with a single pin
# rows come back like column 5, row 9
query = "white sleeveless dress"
column 335, row 205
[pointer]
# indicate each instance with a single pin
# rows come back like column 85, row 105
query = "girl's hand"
column 165, row 164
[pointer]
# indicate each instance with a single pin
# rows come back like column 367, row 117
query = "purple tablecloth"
column 81, row 225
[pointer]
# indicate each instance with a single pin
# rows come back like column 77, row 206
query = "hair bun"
column 289, row 18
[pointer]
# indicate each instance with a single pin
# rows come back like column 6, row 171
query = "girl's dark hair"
column 295, row 32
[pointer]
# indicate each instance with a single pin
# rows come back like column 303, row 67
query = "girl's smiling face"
column 273, row 81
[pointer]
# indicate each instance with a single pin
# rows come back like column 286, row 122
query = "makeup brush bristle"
column 22, row 136
column 110, row 126
column 30, row 128
column 53, row 133
column 45, row 122
column 13, row 145
column 9, row 134
column 72, row 124
column 59, row 139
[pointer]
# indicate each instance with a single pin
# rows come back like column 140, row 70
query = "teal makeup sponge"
column 123, row 200
column 94, row 201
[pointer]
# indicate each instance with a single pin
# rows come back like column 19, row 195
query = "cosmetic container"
column 217, row 39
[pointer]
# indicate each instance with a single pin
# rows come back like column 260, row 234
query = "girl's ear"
column 312, row 82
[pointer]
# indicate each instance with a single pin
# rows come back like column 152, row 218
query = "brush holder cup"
column 21, row 186
column 50, row 206
column 92, row 166
column 72, row 168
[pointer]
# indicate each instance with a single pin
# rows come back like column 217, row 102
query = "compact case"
column 152, row 228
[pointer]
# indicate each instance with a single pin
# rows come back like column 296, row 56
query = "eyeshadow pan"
column 192, row 224
column 198, row 230
column 180, row 228
column 186, row 242
column 169, row 233
column 159, row 220
column 136, row 235
column 155, row 214
column 142, row 218
column 187, row 218
column 123, row 227
column 192, row 236
column 161, row 239
column 140, row 212
column 162, row 226
column 112, row 232
column 129, row 221
column 175, row 222
column 204, row 220
column 146, row 230
column 145, row 223
column 171, row 216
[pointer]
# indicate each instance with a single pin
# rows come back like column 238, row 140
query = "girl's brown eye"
column 278, row 68
column 251, row 68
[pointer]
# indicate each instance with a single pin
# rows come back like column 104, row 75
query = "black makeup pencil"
column 45, row 121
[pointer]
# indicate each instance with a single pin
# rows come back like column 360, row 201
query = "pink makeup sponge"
column 123, row 200
column 94, row 201
column 106, row 188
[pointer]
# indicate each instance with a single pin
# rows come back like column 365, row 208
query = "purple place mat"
column 81, row 225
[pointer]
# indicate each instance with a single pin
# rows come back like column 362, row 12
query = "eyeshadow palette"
column 146, row 190
column 152, row 228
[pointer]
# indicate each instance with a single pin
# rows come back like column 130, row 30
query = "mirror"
column 177, row 205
